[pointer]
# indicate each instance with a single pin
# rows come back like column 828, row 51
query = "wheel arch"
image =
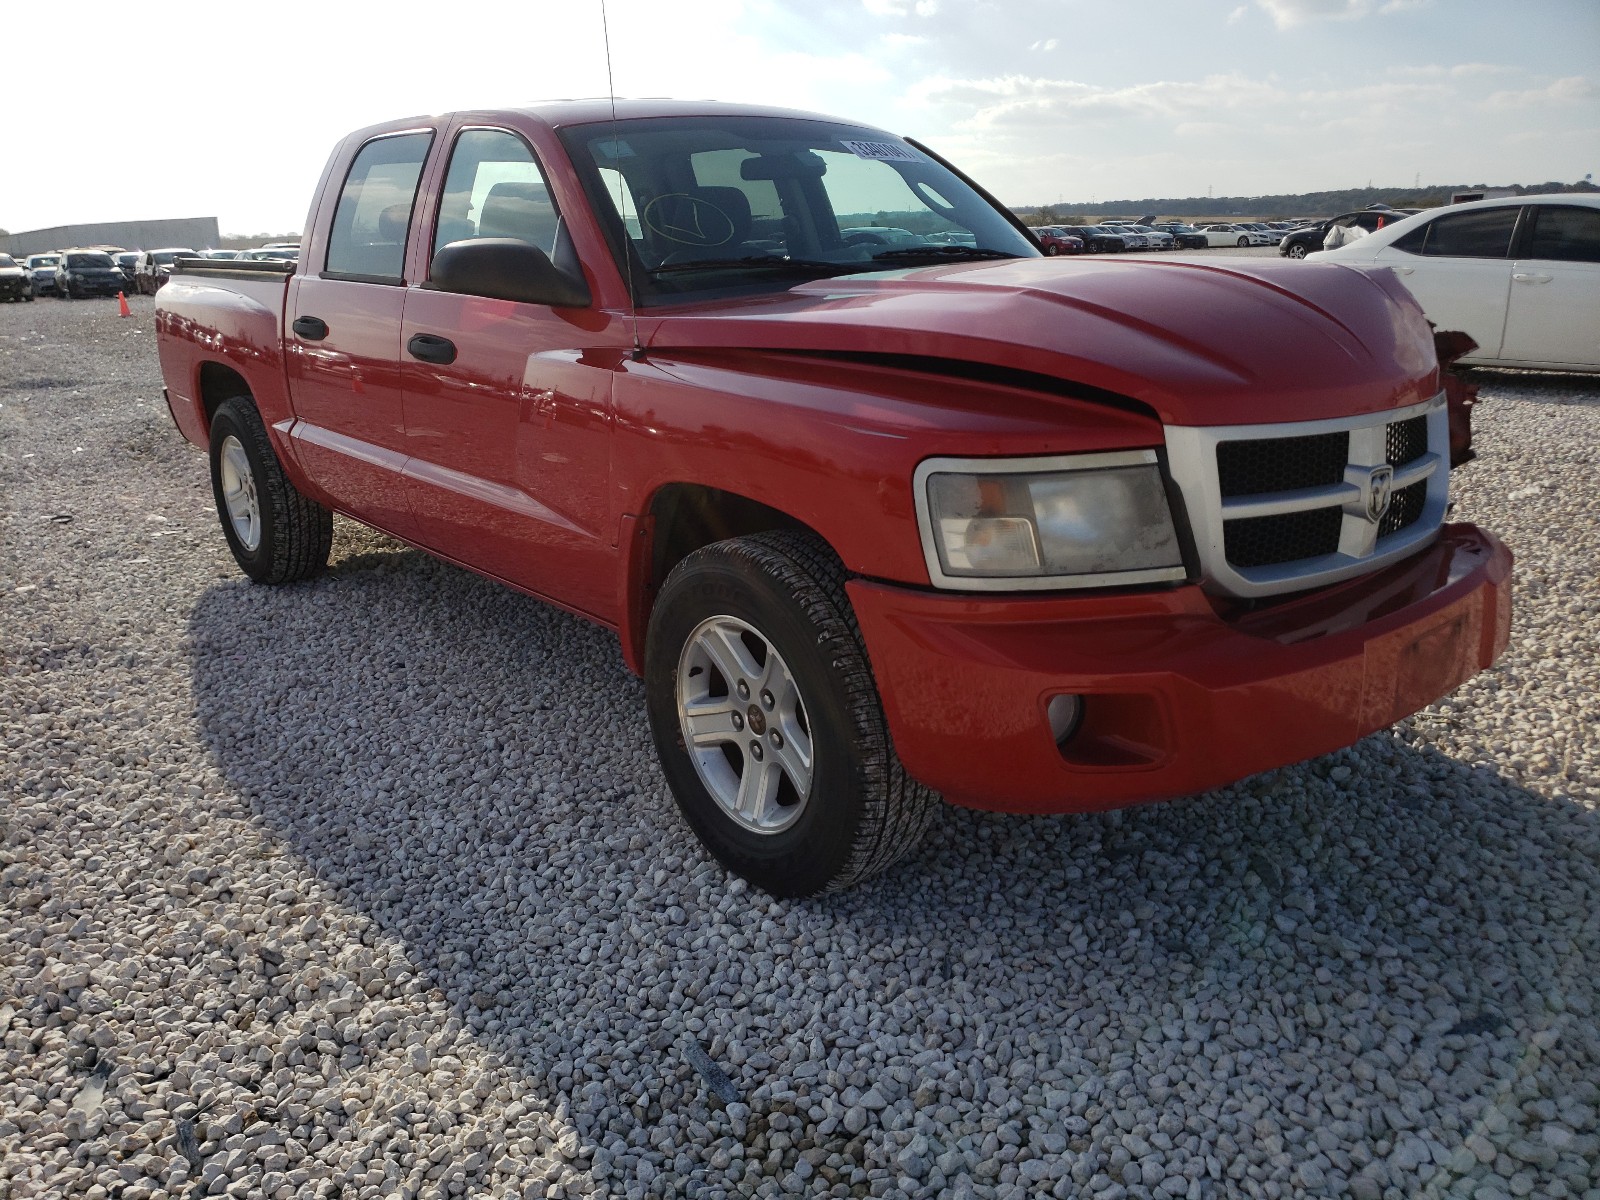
column 679, row 519
column 218, row 382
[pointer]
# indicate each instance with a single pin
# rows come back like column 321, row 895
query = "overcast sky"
column 230, row 109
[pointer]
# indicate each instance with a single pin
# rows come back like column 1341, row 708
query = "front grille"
column 1287, row 537
column 1261, row 465
column 1407, row 441
column 1287, row 506
column 1405, row 508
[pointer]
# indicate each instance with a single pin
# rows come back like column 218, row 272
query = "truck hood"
column 1200, row 342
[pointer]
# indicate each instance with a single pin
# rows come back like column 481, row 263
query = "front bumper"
column 1177, row 698
column 98, row 285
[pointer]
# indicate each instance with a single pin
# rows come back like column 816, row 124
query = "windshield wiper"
column 971, row 253
column 761, row 262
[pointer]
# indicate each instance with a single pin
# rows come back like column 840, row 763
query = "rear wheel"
column 277, row 535
column 767, row 719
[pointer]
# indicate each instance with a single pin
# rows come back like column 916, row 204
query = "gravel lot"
column 370, row 887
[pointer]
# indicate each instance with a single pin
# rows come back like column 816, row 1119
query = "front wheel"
column 277, row 535
column 1297, row 250
column 768, row 722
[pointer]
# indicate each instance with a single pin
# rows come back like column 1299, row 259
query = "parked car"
column 878, row 235
column 1310, row 238
column 83, row 273
column 1519, row 275
column 41, row 269
column 1132, row 239
column 128, row 263
column 219, row 254
column 1233, row 235
column 14, row 283
column 1058, row 239
column 874, row 528
column 1101, row 239
column 155, row 267
column 269, row 254
column 1187, row 237
column 1158, row 239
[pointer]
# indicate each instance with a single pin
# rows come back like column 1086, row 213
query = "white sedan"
column 1519, row 275
column 1233, row 235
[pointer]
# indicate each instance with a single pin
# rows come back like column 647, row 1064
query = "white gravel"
column 371, row 888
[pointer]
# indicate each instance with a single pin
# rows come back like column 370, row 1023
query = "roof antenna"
column 627, row 244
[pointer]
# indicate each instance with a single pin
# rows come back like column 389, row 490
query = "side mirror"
column 506, row 269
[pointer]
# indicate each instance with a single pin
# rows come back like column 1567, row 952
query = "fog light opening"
column 1065, row 714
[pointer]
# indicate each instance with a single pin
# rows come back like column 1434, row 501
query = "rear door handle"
column 1529, row 277
column 313, row 329
column 432, row 348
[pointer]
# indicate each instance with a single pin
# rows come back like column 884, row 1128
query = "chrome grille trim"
column 1192, row 461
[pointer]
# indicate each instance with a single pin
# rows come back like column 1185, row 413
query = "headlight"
column 1084, row 520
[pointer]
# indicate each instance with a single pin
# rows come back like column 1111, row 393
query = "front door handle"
column 1529, row 277
column 432, row 348
column 1403, row 270
column 313, row 329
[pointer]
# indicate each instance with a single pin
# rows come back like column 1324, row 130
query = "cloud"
column 1574, row 89
column 1048, row 44
column 1459, row 71
column 1286, row 14
column 900, row 8
column 1238, row 14
column 1020, row 100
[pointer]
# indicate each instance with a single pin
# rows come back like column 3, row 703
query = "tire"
column 1297, row 250
column 28, row 295
column 1051, row 251
column 763, row 621
column 277, row 535
column 1244, row 241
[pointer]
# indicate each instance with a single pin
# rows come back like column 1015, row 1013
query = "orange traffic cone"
column 122, row 306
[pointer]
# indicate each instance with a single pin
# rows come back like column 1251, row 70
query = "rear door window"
column 1565, row 234
column 368, row 239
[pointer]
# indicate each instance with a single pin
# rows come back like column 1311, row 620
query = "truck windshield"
column 753, row 203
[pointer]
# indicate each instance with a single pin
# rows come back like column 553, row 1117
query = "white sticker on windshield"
column 613, row 148
column 881, row 151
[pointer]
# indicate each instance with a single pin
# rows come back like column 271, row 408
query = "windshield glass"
column 44, row 260
column 88, row 260
column 7, row 261
column 737, row 203
column 127, row 259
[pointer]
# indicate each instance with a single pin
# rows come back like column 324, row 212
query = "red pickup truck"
column 876, row 522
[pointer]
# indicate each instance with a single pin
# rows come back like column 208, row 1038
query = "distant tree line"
column 1306, row 204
